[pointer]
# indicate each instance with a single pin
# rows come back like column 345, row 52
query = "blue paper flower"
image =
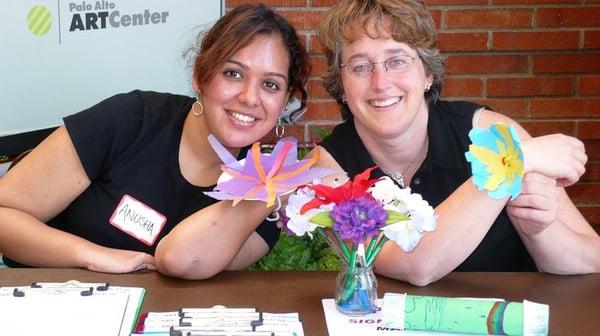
column 496, row 160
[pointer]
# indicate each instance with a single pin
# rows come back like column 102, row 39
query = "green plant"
column 299, row 254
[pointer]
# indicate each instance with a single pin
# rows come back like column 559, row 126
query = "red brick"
column 591, row 39
column 316, row 89
column 592, row 149
column 463, row 87
column 518, row 2
column 584, row 192
column 592, row 215
column 520, row 87
column 323, row 3
column 539, row 40
column 568, row 17
column 463, row 41
column 565, row 107
column 454, row 2
column 315, row 45
column 589, row 130
column 303, row 39
column 487, row 64
column 537, row 128
column 514, row 108
column 272, row 3
column 570, row 63
column 436, row 15
column 322, row 110
column 589, row 85
column 318, row 65
column 302, row 19
column 488, row 18
column 592, row 172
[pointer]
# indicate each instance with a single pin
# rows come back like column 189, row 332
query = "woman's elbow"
column 176, row 265
column 419, row 275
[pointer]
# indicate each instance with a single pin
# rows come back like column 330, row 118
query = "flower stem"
column 372, row 243
column 371, row 256
column 342, row 245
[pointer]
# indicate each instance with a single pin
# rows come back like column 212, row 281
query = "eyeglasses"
column 396, row 64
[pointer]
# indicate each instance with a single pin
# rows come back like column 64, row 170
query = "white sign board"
column 58, row 57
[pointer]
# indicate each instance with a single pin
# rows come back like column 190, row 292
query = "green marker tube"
column 464, row 315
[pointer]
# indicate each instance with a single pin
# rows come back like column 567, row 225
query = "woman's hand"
column 110, row 260
column 536, row 208
column 558, row 156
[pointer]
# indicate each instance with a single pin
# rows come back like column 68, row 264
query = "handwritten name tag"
column 138, row 220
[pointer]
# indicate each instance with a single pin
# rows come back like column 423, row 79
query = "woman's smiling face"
column 246, row 96
column 382, row 102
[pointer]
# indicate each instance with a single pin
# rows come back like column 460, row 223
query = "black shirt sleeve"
column 103, row 132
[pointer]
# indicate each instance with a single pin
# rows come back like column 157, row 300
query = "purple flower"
column 359, row 218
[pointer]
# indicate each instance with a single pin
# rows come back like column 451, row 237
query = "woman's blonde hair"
column 407, row 21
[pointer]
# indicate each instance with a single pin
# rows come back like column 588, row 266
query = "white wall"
column 65, row 56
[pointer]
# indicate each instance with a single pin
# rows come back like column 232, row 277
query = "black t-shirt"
column 129, row 145
column 442, row 172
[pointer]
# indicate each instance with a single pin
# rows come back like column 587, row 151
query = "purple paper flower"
column 359, row 218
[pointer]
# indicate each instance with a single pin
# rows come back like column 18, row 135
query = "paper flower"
column 300, row 224
column 361, row 211
column 359, row 218
column 496, row 160
column 409, row 214
column 263, row 176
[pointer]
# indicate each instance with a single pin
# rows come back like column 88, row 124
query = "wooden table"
column 574, row 300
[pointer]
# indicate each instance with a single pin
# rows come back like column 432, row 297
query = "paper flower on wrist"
column 263, row 176
column 361, row 212
column 496, row 160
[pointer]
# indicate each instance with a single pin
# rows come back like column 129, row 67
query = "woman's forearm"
column 208, row 241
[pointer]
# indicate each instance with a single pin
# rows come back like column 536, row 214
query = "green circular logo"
column 39, row 20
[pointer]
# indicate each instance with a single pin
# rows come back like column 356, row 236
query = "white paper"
column 62, row 313
column 339, row 324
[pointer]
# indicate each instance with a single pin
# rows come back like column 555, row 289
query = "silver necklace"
column 398, row 176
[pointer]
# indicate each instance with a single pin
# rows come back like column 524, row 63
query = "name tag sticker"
column 138, row 220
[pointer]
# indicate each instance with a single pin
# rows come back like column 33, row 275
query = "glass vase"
column 356, row 290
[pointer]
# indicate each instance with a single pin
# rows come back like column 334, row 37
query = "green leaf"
column 300, row 254
column 321, row 132
column 323, row 219
column 395, row 217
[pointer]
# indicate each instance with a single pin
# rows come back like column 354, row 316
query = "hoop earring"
column 279, row 128
column 194, row 112
column 427, row 87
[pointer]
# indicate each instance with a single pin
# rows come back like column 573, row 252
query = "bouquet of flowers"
column 359, row 216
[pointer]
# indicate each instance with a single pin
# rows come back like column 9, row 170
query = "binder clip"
column 103, row 288
column 88, row 292
column 18, row 293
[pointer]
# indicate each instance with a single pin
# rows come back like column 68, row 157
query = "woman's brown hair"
column 236, row 30
column 406, row 21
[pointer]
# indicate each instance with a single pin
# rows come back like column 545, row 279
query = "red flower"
column 347, row 191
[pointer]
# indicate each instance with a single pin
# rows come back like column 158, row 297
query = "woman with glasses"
column 385, row 71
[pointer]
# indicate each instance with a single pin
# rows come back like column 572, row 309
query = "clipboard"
column 69, row 308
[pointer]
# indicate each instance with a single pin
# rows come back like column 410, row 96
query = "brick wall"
column 537, row 61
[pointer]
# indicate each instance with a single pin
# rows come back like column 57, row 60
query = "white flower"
column 406, row 233
column 298, row 223
column 385, row 190
column 421, row 213
column 403, row 233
